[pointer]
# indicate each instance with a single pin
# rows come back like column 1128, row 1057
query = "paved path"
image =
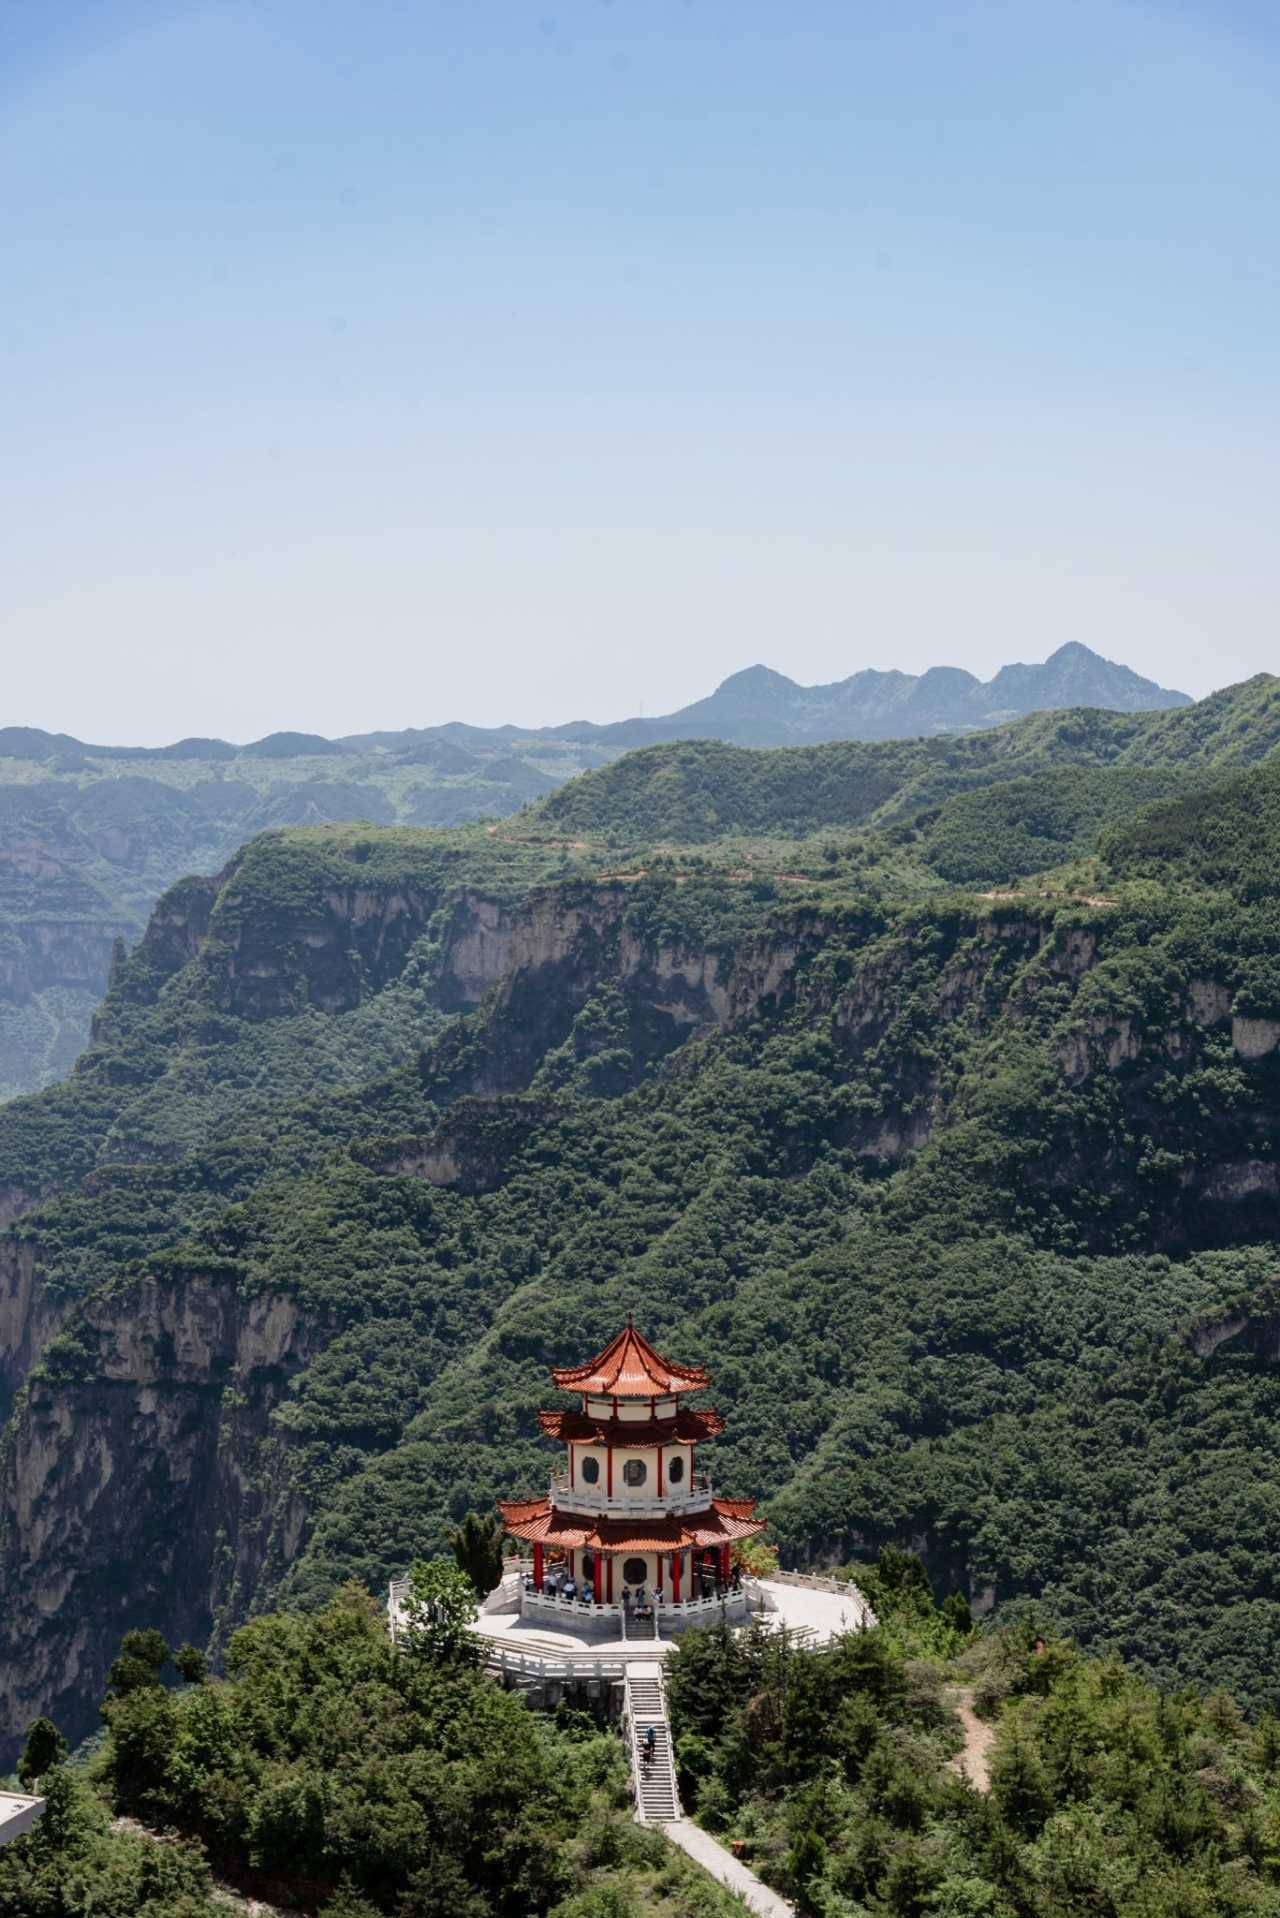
column 803, row 1608
column 722, row 1865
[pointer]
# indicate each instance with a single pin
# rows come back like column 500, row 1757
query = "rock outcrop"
column 130, row 1493
column 30, row 1313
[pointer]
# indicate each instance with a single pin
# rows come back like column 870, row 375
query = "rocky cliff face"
column 536, row 966
column 52, row 974
column 46, row 953
column 29, row 1313
column 130, row 1492
column 329, row 955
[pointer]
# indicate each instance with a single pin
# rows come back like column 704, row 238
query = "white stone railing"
column 593, row 1498
column 816, row 1582
column 732, row 1603
column 553, row 1605
column 602, row 1664
column 505, row 1594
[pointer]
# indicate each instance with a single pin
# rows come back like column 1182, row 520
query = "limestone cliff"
column 29, row 1313
column 130, row 1491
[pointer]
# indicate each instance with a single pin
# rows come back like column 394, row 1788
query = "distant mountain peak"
column 752, row 677
column 761, row 707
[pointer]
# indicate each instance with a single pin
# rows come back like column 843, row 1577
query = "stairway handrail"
column 637, row 1765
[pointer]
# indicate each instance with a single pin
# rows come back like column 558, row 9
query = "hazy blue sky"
column 380, row 362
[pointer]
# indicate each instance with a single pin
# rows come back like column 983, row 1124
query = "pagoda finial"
column 630, row 1323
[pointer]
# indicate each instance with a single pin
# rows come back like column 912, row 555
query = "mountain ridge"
column 1073, row 675
column 762, row 707
column 90, row 836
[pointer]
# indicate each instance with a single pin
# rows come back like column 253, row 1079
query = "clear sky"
column 381, row 362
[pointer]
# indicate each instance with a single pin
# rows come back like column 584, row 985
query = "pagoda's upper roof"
column 629, row 1368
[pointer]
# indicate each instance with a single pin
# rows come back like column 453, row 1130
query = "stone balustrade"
column 815, row 1581
column 584, row 1610
column 593, row 1499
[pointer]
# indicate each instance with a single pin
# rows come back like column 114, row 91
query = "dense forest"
column 846, row 1778
column 941, row 1131
column 342, row 1775
column 917, row 1768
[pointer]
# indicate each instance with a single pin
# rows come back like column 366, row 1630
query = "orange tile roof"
column 734, row 1522
column 734, row 1507
column 630, row 1368
column 520, row 1510
column 537, row 1521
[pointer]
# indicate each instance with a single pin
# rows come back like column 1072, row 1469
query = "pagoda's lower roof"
column 538, row 1522
column 686, row 1428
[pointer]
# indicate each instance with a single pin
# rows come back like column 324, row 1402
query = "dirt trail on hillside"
column 974, row 1762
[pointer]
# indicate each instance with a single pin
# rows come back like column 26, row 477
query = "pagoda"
column 630, row 1508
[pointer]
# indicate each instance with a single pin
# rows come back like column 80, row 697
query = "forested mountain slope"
column 968, row 1202
column 91, row 835
column 696, row 791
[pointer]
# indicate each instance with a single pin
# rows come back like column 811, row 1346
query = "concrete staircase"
column 657, row 1800
column 637, row 1630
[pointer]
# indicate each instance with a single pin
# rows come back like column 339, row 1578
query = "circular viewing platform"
column 558, row 1638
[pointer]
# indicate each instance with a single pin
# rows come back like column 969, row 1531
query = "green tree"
column 439, row 1611
column 1020, row 1786
column 191, row 1664
column 477, row 1546
column 141, row 1659
column 45, row 1748
column 910, row 1882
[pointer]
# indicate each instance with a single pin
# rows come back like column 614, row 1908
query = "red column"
column 597, row 1577
column 537, row 1565
column 659, row 1561
column 724, row 1564
column 675, row 1577
column 611, row 1578
column 659, row 1471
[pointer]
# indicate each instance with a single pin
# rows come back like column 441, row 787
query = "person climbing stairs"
column 652, row 1758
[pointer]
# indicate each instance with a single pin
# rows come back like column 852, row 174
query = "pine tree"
column 45, row 1748
column 477, row 1546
